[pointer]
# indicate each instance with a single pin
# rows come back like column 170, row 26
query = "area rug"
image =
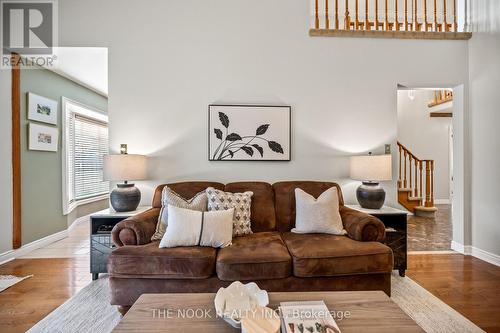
column 89, row 310
column 7, row 281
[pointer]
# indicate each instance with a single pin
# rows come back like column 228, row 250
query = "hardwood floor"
column 467, row 284
column 431, row 234
column 54, row 282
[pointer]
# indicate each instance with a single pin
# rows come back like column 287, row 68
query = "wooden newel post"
column 404, row 174
column 428, row 184
column 400, row 155
column 410, row 162
column 432, row 183
column 416, row 177
column 420, row 194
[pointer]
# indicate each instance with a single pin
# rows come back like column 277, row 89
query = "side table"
column 101, row 224
column 395, row 221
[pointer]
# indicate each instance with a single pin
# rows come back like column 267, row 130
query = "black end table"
column 395, row 221
column 101, row 245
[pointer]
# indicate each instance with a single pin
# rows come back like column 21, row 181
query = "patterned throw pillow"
column 241, row 202
column 169, row 197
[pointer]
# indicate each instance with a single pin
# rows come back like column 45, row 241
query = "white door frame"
column 461, row 165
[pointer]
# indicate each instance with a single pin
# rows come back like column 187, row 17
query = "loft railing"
column 371, row 18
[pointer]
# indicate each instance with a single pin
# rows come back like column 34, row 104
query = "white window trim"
column 93, row 113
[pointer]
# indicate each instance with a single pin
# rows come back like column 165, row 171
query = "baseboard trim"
column 492, row 258
column 25, row 249
column 455, row 246
column 469, row 250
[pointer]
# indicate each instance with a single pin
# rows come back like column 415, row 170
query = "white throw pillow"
column 192, row 228
column 170, row 197
column 318, row 215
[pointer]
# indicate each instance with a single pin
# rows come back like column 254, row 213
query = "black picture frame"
column 211, row 134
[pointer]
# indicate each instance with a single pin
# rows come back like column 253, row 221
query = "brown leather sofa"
column 273, row 257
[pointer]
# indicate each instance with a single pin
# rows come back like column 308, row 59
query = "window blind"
column 88, row 144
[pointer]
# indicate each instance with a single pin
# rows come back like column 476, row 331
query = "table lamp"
column 124, row 167
column 371, row 169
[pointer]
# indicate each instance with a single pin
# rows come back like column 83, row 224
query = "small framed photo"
column 44, row 138
column 42, row 109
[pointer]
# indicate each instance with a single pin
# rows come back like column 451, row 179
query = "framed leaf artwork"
column 249, row 133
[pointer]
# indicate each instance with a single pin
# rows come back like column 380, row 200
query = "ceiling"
column 87, row 66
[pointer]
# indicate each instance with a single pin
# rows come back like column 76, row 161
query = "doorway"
column 425, row 165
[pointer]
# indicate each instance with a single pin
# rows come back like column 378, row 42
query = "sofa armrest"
column 361, row 226
column 137, row 229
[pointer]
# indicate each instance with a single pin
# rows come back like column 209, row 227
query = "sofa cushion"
column 150, row 261
column 258, row 256
column 284, row 193
column 262, row 208
column 320, row 255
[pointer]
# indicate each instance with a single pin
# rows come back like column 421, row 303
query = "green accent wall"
column 42, row 171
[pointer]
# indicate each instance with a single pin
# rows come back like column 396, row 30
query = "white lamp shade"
column 371, row 167
column 125, row 167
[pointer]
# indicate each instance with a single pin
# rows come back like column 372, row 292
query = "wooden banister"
column 414, row 23
column 412, row 180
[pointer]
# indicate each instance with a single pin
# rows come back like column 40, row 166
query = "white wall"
column 169, row 59
column 5, row 162
column 484, row 66
column 426, row 137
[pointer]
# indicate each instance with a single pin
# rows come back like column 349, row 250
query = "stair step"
column 423, row 211
column 426, row 209
column 414, row 198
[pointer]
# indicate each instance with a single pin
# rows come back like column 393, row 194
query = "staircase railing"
column 386, row 15
column 416, row 175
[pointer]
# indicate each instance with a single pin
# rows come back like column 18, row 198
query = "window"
column 85, row 138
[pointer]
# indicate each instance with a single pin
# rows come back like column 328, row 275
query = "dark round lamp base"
column 370, row 195
column 125, row 198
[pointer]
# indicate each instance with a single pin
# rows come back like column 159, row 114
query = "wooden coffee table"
column 369, row 311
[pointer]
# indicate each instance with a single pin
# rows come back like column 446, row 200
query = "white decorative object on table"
column 233, row 302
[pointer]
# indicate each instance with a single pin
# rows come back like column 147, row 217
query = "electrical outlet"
column 387, row 149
